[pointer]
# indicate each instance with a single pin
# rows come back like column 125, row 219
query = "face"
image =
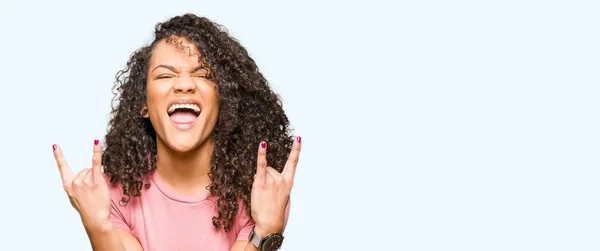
column 182, row 102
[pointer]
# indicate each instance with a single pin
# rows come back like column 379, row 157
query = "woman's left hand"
column 271, row 191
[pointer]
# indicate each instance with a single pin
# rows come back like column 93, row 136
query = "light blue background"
column 427, row 125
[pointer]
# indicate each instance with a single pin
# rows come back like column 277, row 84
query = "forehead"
column 177, row 52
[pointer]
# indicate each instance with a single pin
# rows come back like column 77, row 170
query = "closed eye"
column 164, row 76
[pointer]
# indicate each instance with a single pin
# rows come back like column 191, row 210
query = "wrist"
column 263, row 231
column 264, row 239
column 98, row 227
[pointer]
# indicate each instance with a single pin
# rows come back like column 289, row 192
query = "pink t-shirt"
column 163, row 220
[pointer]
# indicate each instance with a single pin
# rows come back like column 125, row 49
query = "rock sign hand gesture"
column 271, row 190
column 87, row 191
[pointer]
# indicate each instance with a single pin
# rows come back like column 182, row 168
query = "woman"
column 186, row 165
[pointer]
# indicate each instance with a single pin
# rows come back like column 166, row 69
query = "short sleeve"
column 246, row 222
column 119, row 214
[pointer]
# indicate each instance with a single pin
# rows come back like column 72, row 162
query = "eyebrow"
column 164, row 66
column 197, row 68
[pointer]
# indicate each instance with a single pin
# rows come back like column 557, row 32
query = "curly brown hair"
column 250, row 112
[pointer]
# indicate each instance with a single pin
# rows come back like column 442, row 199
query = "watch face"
column 272, row 242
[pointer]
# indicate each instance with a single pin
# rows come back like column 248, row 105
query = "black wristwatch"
column 271, row 242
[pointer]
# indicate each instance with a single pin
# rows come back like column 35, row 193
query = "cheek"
column 155, row 94
column 210, row 95
column 214, row 99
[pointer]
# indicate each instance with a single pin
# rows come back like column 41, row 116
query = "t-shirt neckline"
column 168, row 191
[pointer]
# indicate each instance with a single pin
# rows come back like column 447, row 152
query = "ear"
column 144, row 111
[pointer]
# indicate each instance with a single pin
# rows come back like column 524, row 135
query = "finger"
column 89, row 177
column 80, row 176
column 290, row 166
column 274, row 175
column 66, row 174
column 97, row 159
column 261, row 161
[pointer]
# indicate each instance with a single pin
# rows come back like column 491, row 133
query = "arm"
column 243, row 244
column 108, row 238
column 246, row 245
column 114, row 239
column 116, row 234
column 111, row 238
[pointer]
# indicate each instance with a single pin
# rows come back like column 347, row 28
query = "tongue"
column 183, row 117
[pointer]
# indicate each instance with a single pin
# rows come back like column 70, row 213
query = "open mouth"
column 184, row 114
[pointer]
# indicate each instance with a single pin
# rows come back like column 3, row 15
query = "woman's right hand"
column 88, row 190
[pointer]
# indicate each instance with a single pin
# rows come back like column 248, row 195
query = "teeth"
column 186, row 106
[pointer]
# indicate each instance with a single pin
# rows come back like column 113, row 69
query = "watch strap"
column 255, row 239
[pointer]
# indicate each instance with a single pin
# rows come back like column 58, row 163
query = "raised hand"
column 87, row 191
column 271, row 190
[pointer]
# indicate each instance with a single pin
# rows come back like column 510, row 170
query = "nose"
column 184, row 84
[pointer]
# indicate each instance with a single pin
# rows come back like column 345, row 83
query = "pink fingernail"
column 263, row 144
column 299, row 139
column 96, row 142
column 54, row 147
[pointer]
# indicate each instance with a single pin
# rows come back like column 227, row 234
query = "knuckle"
column 76, row 183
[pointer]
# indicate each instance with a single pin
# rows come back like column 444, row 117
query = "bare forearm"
column 250, row 247
column 105, row 238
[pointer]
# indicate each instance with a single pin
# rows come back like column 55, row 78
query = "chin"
column 184, row 141
column 182, row 147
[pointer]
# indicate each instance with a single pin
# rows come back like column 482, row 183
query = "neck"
column 186, row 173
